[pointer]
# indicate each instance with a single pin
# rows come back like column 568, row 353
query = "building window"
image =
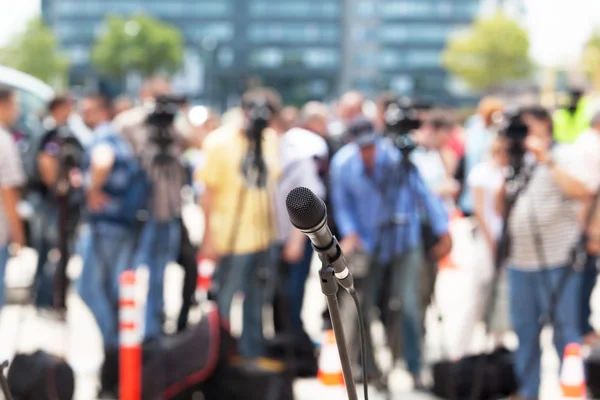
column 365, row 60
column 406, row 8
column 394, row 33
column 79, row 30
column 196, row 8
column 294, row 9
column 267, row 58
column 78, row 55
column 364, row 33
column 415, row 33
column 402, row 84
column 222, row 32
column 313, row 58
column 320, row 58
column 423, row 58
column 365, row 9
column 293, row 33
column 226, row 57
column 391, row 59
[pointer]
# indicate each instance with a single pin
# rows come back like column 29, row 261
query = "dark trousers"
column 588, row 281
column 187, row 260
column 295, row 285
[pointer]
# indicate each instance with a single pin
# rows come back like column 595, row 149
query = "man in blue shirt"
column 116, row 189
column 367, row 195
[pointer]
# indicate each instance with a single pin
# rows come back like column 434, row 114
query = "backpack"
column 128, row 185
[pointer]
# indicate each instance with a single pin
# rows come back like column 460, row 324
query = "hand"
column 450, row 188
column 97, row 199
column 293, row 252
column 350, row 244
column 539, row 147
column 208, row 250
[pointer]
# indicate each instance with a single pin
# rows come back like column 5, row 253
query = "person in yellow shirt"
column 571, row 121
column 240, row 221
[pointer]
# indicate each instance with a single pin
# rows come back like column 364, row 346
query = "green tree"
column 591, row 58
column 35, row 52
column 494, row 50
column 139, row 44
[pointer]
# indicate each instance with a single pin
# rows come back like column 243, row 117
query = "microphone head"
column 304, row 208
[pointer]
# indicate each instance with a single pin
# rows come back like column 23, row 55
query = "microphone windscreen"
column 304, row 208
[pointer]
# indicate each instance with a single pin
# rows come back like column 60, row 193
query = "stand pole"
column 329, row 287
column 4, row 382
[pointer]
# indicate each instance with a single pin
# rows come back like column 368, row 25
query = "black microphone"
column 308, row 213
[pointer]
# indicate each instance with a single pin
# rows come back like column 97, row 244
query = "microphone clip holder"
column 329, row 287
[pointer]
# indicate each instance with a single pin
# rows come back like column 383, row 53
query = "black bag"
column 242, row 382
column 40, row 376
column 176, row 364
column 454, row 380
column 592, row 365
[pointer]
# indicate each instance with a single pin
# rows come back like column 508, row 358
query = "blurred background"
column 308, row 49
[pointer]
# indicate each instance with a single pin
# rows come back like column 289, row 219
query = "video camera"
column 401, row 119
column 254, row 168
column 161, row 117
column 515, row 131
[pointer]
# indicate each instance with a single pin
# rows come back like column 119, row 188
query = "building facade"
column 306, row 49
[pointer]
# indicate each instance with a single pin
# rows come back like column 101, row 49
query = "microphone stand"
column 329, row 287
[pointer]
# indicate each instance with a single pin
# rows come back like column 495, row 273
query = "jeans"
column 158, row 245
column 405, row 300
column 295, row 285
column 529, row 296
column 588, row 281
column 107, row 251
column 241, row 273
column 44, row 237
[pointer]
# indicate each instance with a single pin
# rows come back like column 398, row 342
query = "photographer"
column 366, row 201
column 159, row 147
column 542, row 230
column 58, row 148
column 240, row 227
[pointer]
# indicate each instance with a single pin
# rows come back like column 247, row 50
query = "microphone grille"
column 304, row 208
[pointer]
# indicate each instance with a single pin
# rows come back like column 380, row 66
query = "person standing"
column 588, row 145
column 364, row 203
column 543, row 230
column 116, row 190
column 12, row 176
column 240, row 222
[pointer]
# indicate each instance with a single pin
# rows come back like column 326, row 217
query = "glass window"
column 320, row 58
column 222, row 32
column 296, row 8
column 391, row 59
column 78, row 54
column 430, row 83
column 293, row 33
column 364, row 33
column 406, row 8
column 365, row 60
column 402, row 83
column 226, row 57
column 197, row 8
column 267, row 58
column 419, row 33
column 271, row 57
column 80, row 30
column 365, row 9
column 423, row 58
column 394, row 33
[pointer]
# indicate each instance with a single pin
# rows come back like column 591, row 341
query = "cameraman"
column 365, row 201
column 160, row 151
column 543, row 230
column 239, row 217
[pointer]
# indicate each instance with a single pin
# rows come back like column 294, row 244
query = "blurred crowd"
column 403, row 205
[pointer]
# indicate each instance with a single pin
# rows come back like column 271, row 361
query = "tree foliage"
column 591, row 58
column 139, row 44
column 35, row 52
column 494, row 50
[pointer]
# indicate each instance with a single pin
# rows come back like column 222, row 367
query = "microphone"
column 308, row 213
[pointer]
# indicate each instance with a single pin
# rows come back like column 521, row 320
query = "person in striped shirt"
column 543, row 229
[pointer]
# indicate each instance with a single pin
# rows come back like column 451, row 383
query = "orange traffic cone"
column 572, row 377
column 330, row 366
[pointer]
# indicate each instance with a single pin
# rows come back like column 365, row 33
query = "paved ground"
column 21, row 328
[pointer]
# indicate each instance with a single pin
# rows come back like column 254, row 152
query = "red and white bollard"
column 130, row 340
column 206, row 269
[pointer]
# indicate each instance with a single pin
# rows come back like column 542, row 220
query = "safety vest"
column 567, row 126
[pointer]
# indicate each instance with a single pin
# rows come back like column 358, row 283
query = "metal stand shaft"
column 329, row 287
